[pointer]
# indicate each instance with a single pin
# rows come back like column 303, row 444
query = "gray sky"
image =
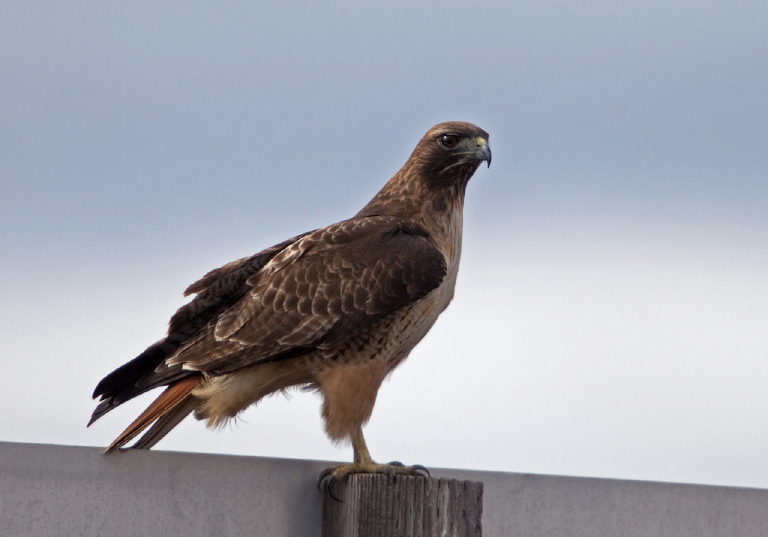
column 610, row 315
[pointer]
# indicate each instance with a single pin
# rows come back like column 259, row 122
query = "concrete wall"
column 61, row 490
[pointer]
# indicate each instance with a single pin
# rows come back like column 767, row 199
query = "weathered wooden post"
column 376, row 505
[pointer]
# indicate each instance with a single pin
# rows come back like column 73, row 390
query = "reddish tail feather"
column 176, row 394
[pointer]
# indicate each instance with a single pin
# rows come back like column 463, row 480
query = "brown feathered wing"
column 315, row 291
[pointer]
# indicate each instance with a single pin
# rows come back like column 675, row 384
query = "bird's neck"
column 436, row 204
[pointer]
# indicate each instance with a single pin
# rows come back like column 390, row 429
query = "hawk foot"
column 330, row 477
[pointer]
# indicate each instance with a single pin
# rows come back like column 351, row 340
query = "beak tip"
column 482, row 151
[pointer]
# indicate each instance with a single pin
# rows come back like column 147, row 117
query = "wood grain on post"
column 376, row 505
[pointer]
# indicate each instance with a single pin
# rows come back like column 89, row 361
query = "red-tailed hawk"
column 334, row 310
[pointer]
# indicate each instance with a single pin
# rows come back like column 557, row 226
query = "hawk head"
column 437, row 171
column 451, row 151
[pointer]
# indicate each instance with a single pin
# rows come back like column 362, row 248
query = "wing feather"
column 330, row 285
column 216, row 292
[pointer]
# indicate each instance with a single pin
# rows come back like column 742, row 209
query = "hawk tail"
column 165, row 413
column 140, row 375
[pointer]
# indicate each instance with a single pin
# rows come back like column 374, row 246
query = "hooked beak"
column 483, row 151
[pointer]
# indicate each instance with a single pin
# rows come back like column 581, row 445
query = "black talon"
column 331, row 487
column 421, row 470
column 327, row 483
column 391, row 474
column 417, row 469
column 321, row 479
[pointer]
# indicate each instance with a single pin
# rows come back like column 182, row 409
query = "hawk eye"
column 449, row 141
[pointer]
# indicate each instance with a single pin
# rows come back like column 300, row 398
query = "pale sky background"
column 611, row 310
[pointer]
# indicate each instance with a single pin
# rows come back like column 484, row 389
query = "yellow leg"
column 361, row 454
column 364, row 464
